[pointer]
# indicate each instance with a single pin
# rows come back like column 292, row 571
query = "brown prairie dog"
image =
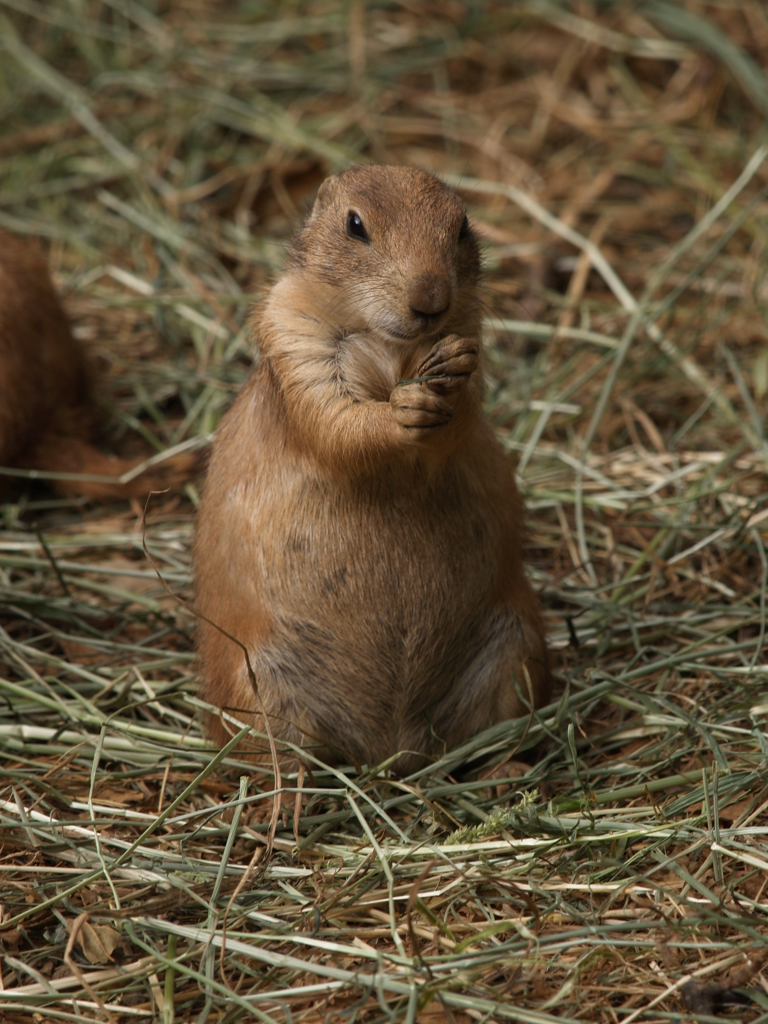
column 360, row 529
column 48, row 419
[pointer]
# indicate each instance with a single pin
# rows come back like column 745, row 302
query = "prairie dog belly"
column 388, row 634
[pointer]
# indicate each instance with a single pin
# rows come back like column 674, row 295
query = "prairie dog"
column 48, row 419
column 360, row 530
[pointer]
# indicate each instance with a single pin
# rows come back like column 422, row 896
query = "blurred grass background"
column 612, row 157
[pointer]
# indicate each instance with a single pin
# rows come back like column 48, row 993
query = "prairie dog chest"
column 368, row 366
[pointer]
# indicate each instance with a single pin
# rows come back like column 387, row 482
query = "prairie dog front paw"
column 452, row 362
column 419, row 410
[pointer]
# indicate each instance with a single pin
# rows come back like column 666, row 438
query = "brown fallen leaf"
column 709, row 1000
column 97, row 941
column 713, row 998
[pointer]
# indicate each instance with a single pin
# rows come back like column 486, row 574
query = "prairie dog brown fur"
column 360, row 530
column 48, row 418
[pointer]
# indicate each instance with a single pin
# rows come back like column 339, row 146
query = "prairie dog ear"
column 325, row 195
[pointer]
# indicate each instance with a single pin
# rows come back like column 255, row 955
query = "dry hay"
column 612, row 157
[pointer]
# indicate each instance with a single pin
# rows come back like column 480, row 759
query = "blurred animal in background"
column 49, row 420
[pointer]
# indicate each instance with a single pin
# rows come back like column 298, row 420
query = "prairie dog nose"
column 430, row 296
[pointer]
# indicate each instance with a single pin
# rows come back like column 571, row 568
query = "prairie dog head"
column 392, row 252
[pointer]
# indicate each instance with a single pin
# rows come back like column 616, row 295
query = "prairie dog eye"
column 355, row 228
column 464, row 229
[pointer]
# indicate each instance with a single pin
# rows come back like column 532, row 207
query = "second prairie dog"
column 360, row 530
column 48, row 417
